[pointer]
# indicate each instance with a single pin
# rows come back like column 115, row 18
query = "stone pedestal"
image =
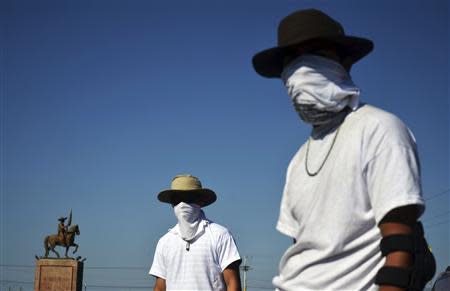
column 58, row 275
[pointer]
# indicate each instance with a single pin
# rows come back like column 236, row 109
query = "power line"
column 87, row 285
column 118, row 268
column 16, row 282
column 437, row 223
column 17, row 266
column 120, row 286
column 112, row 286
column 437, row 195
column 90, row 268
column 261, row 287
column 261, row 280
column 436, row 216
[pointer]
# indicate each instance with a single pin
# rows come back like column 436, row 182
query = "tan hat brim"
column 203, row 197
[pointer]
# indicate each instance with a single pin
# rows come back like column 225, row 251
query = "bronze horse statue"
column 53, row 240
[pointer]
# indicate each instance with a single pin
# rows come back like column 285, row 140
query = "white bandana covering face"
column 320, row 83
column 189, row 216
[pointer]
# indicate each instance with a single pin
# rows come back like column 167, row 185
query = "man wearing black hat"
column 353, row 188
column 197, row 254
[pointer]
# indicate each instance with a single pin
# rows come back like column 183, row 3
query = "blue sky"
column 103, row 102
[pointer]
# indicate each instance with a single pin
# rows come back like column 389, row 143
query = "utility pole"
column 245, row 268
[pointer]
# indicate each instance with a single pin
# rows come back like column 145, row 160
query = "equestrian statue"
column 64, row 238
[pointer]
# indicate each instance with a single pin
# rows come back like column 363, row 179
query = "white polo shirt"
column 372, row 168
column 200, row 267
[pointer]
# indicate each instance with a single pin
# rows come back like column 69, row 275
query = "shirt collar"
column 176, row 229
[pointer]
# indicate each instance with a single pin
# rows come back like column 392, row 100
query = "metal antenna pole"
column 245, row 268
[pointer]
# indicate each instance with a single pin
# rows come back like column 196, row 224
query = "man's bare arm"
column 398, row 221
column 232, row 277
column 160, row 284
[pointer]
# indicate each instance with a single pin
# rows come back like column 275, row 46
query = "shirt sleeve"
column 227, row 250
column 158, row 268
column 393, row 173
column 286, row 221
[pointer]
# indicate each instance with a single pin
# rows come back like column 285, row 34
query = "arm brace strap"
column 424, row 265
column 398, row 242
column 393, row 276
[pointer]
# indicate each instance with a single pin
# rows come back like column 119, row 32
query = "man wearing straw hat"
column 352, row 194
column 197, row 254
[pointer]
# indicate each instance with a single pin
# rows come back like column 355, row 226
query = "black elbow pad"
column 424, row 266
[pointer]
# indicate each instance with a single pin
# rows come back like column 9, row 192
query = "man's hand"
column 398, row 221
column 231, row 276
column 160, row 284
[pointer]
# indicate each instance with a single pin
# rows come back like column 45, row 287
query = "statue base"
column 58, row 275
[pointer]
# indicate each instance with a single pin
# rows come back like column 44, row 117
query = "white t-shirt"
column 200, row 268
column 372, row 169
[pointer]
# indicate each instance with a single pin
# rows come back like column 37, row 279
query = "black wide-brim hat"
column 187, row 188
column 310, row 29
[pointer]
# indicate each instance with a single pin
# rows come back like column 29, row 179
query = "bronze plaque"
column 58, row 275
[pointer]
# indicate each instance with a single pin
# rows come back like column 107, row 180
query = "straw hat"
column 187, row 188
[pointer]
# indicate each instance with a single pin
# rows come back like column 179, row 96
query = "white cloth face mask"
column 189, row 216
column 319, row 83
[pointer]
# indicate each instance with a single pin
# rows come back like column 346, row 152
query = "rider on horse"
column 62, row 229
